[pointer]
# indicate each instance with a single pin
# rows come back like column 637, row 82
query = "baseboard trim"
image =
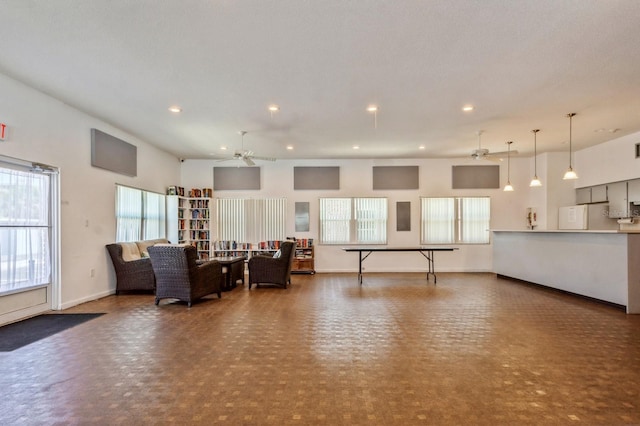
column 560, row 291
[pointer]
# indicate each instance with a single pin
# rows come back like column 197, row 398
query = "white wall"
column 612, row 161
column 44, row 130
column 507, row 208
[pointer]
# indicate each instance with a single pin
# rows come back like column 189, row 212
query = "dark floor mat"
column 18, row 334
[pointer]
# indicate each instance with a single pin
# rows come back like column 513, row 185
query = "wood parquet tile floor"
column 473, row 350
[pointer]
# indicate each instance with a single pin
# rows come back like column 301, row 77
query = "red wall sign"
column 3, row 130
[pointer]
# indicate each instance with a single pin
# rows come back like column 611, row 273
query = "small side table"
column 233, row 268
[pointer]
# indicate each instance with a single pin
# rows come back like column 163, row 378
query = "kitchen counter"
column 601, row 264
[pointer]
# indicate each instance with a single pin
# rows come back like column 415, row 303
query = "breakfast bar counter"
column 603, row 265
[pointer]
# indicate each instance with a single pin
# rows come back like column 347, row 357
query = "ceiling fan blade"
column 248, row 161
column 494, row 159
column 502, row 153
column 255, row 157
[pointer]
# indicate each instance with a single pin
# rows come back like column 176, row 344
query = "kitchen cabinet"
column 583, row 195
column 599, row 194
column 618, row 201
column 634, row 191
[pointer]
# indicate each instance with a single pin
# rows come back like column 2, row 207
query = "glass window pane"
column 25, row 252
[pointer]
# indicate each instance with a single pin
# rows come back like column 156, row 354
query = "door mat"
column 25, row 332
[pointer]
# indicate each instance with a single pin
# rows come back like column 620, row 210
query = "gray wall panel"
column 396, row 177
column 236, row 178
column 113, row 154
column 316, row 178
column 475, row 177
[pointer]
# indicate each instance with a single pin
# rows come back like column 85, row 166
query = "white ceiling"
column 522, row 64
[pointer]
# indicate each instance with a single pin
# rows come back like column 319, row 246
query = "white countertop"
column 571, row 231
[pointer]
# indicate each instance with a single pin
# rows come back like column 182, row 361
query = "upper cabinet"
column 599, row 194
column 618, row 202
column 634, row 191
column 583, row 195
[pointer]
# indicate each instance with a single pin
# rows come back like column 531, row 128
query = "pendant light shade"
column 570, row 173
column 535, row 181
column 508, row 187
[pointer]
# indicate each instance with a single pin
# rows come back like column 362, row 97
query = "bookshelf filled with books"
column 303, row 262
column 232, row 248
column 188, row 219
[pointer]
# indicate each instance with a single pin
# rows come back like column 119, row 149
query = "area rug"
column 22, row 333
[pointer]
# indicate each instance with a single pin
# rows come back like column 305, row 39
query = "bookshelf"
column 188, row 219
column 303, row 261
column 233, row 248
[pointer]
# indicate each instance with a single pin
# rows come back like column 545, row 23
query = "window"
column 455, row 220
column 140, row 215
column 25, row 228
column 353, row 220
column 251, row 220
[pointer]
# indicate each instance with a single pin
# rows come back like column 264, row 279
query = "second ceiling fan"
column 245, row 155
column 484, row 154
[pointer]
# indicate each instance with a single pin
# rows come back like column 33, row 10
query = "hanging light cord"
column 535, row 153
column 570, row 115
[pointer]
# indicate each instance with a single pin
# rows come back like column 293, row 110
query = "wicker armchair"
column 273, row 270
column 132, row 275
column 180, row 276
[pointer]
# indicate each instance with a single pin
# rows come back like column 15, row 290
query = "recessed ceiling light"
column 467, row 108
column 356, row 147
column 224, row 148
column 273, row 108
column 372, row 108
column 175, row 109
column 421, row 147
column 290, row 147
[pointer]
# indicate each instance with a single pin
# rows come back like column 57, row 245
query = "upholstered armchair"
column 180, row 276
column 273, row 269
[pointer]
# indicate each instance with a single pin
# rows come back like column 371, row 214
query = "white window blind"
column 140, row 215
column 251, row 220
column 353, row 220
column 459, row 220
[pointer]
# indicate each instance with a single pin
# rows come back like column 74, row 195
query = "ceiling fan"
column 484, row 154
column 247, row 156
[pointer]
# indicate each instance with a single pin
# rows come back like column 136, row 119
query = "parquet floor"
column 473, row 350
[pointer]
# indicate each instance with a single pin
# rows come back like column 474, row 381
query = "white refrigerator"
column 573, row 217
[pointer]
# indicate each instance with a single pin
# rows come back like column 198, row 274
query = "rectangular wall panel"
column 316, row 178
column 236, row 178
column 475, row 177
column 396, row 177
column 113, row 154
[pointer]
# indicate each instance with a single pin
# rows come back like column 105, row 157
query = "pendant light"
column 508, row 186
column 535, row 181
column 570, row 173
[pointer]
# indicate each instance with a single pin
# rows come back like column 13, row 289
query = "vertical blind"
column 460, row 220
column 25, row 229
column 353, row 220
column 251, row 220
column 140, row 215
